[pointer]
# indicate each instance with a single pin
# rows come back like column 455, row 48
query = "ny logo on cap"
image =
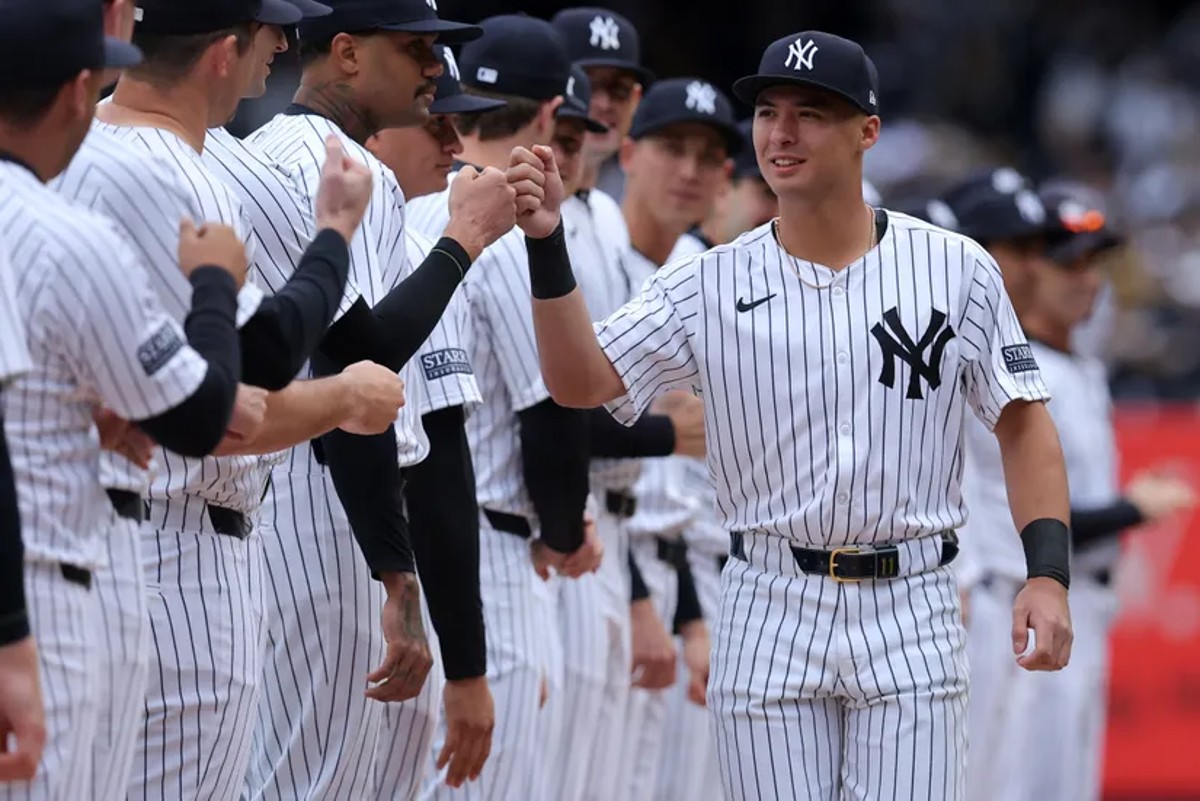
column 800, row 54
column 571, row 86
column 451, row 64
column 432, row 4
column 1031, row 209
column 606, row 34
column 701, row 97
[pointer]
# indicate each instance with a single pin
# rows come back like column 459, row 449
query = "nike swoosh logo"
column 743, row 306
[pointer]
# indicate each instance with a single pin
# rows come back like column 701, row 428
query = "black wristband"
column 1047, row 544
column 550, row 273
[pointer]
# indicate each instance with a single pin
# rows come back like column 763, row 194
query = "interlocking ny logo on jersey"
column 800, row 54
column 701, row 97
column 606, row 34
column 899, row 345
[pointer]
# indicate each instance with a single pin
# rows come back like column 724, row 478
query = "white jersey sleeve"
column 1001, row 366
column 647, row 342
column 14, row 357
column 444, row 363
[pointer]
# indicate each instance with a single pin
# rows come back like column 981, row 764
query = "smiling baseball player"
column 835, row 385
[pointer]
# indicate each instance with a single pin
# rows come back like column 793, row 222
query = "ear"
column 635, row 97
column 344, row 52
column 547, row 112
column 870, row 132
column 625, row 154
column 79, row 96
column 223, row 54
column 728, row 171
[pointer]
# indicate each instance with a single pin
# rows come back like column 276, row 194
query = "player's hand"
column 22, row 715
column 212, row 245
column 539, row 200
column 344, row 192
column 687, row 418
column 247, row 422
column 376, row 395
column 121, row 436
column 653, row 648
column 118, row 24
column 697, row 653
column 1042, row 606
column 1159, row 495
column 587, row 557
column 408, row 660
column 470, row 720
column 482, row 209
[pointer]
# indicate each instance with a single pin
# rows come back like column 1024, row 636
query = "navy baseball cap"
column 1079, row 224
column 928, row 209
column 816, row 59
column 407, row 16
column 678, row 100
column 49, row 42
column 577, row 99
column 597, row 37
column 175, row 18
column 516, row 55
column 449, row 97
column 745, row 161
column 996, row 206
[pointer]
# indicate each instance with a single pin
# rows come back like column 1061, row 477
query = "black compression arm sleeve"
column 395, row 329
column 366, row 476
column 651, row 435
column 196, row 426
column 554, row 458
column 14, row 621
column 444, row 517
column 638, row 591
column 279, row 338
column 1092, row 525
column 687, row 609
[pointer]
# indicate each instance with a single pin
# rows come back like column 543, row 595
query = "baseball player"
column 820, row 357
column 422, row 159
column 24, row 726
column 676, row 160
column 530, row 455
column 389, row 324
column 96, row 335
column 1062, row 754
column 745, row 202
column 608, row 47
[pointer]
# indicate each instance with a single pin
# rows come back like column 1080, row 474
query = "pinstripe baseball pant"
column 827, row 690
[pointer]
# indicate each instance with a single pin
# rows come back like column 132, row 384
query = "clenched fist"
column 212, row 245
column 539, row 187
column 375, row 397
column 482, row 209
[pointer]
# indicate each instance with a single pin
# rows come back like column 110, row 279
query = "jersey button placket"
column 844, row 446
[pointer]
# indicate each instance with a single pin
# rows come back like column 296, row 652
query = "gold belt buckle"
column 833, row 563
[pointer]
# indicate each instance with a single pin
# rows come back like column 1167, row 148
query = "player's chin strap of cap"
column 865, row 563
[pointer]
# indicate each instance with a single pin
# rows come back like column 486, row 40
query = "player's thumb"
column 187, row 228
column 466, row 174
column 544, row 153
column 1020, row 630
column 333, row 152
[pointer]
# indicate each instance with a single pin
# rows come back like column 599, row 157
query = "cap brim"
column 589, row 124
column 749, row 88
column 465, row 104
column 120, row 55
column 311, row 8
column 278, row 12
column 645, row 77
column 1067, row 248
column 447, row 32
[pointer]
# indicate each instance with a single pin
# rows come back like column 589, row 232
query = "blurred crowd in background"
column 1101, row 91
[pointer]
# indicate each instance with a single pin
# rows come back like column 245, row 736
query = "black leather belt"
column 76, row 575
column 620, row 504
column 228, row 522
column 509, row 524
column 673, row 552
column 128, row 505
column 851, row 563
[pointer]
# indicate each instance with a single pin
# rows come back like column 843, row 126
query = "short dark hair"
column 27, row 105
column 167, row 59
column 499, row 123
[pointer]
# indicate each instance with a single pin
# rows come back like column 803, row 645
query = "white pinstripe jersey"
column 597, row 242
column 504, row 355
column 96, row 334
column 443, row 363
column 833, row 414
column 14, row 355
column 377, row 251
column 145, row 199
column 1082, row 412
column 233, row 482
